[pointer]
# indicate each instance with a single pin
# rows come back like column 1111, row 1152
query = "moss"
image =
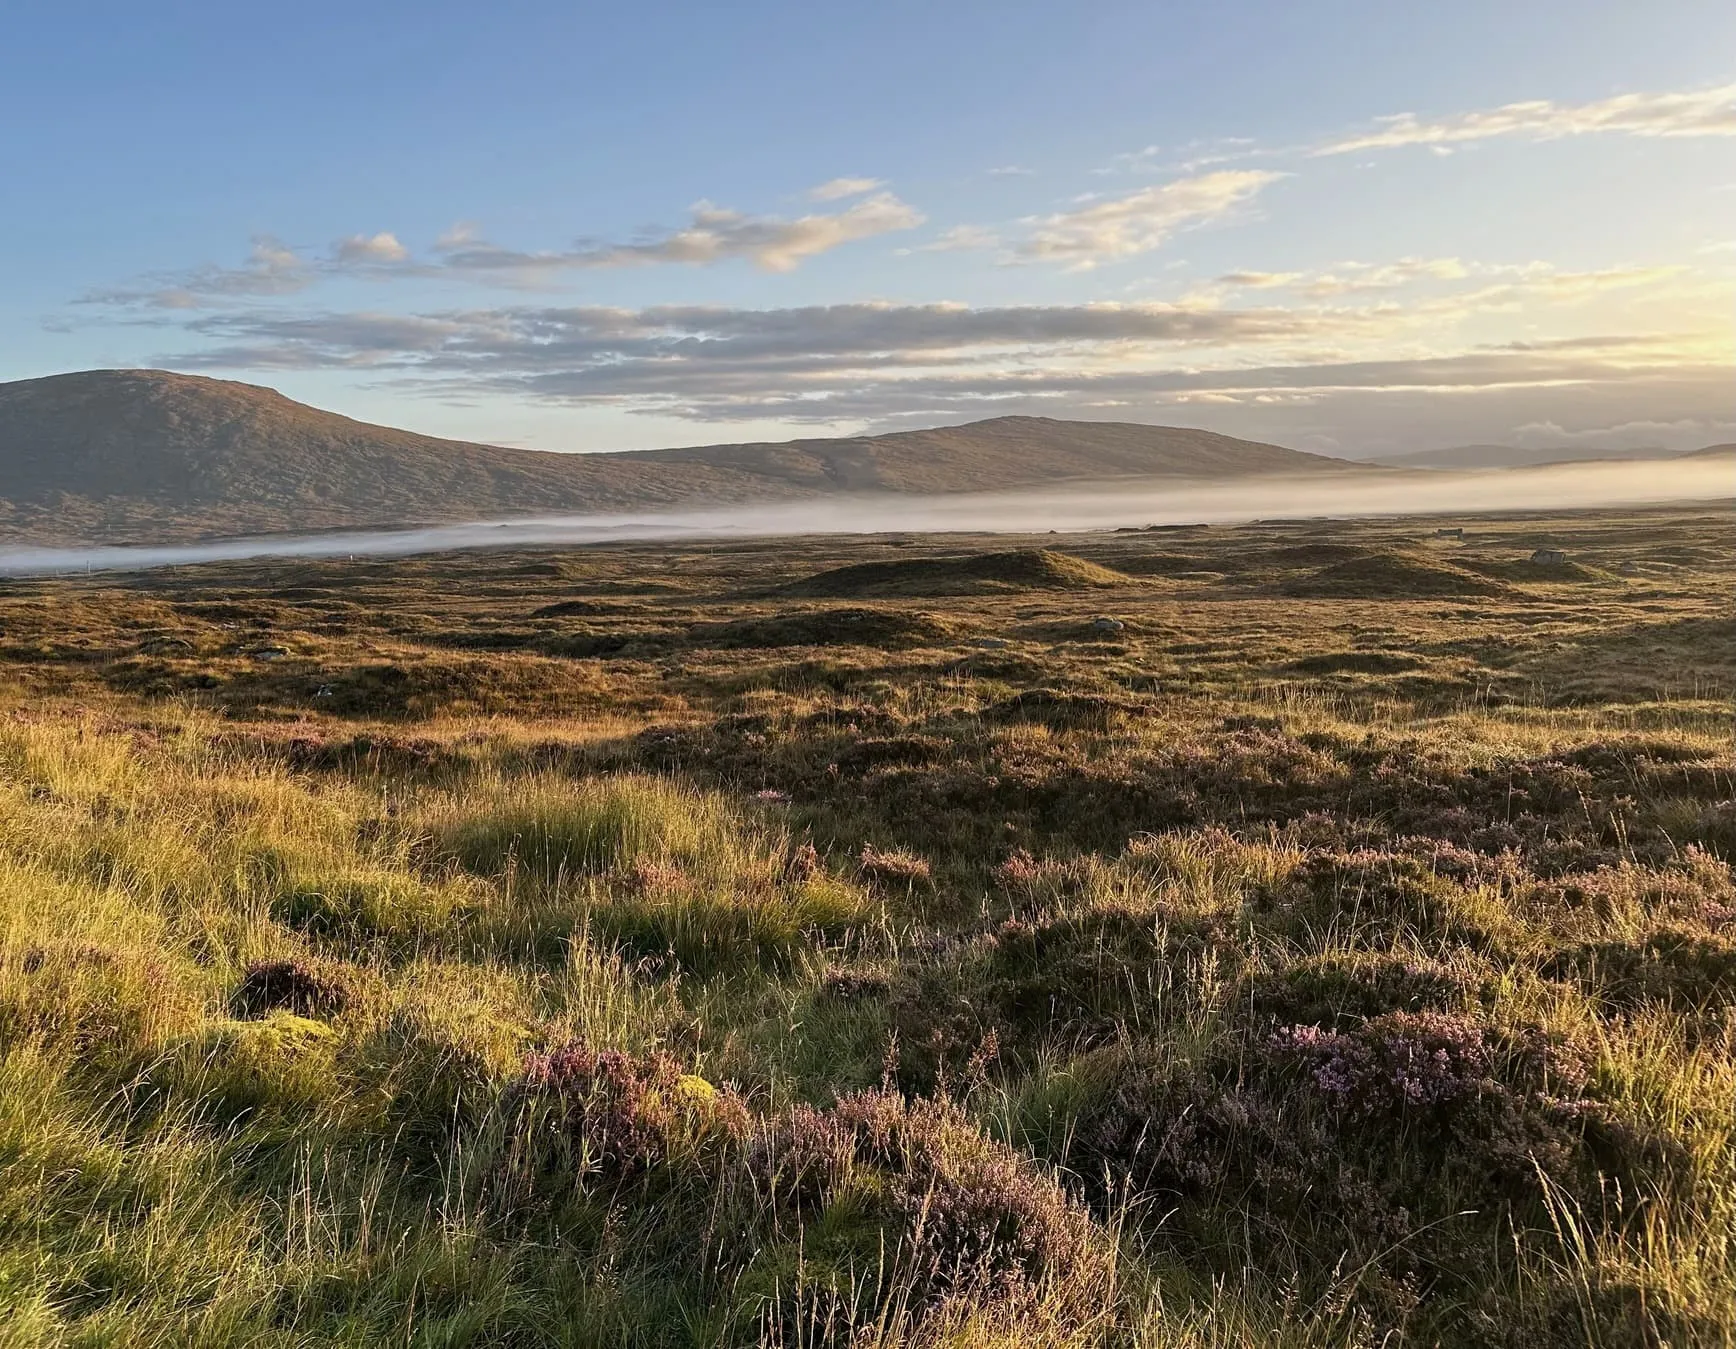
column 281, row 1062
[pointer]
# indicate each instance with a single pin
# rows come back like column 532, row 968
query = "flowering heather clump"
column 974, row 1213
column 1019, row 875
column 625, row 1114
column 647, row 876
column 1417, row 1060
column 1680, row 969
column 1341, row 991
column 894, row 866
column 1382, row 895
column 803, row 863
column 854, row 985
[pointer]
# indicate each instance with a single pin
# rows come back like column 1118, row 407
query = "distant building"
column 1548, row 557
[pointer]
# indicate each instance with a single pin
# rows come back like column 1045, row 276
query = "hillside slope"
column 149, row 455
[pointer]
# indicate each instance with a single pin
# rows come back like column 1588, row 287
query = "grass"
column 1267, row 969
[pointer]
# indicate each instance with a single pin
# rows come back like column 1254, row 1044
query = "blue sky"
column 1352, row 227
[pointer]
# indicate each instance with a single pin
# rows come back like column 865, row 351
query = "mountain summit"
column 146, row 455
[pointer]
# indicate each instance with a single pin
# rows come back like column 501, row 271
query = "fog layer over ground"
column 1103, row 506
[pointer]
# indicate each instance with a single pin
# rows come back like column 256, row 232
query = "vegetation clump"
column 883, row 629
column 981, row 573
column 1392, row 576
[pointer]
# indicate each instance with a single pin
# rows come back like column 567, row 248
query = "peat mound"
column 1392, row 576
column 978, row 573
column 886, row 629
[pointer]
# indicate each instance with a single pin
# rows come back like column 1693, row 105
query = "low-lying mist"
column 1074, row 508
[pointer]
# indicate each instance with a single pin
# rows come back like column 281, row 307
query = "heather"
column 599, row 947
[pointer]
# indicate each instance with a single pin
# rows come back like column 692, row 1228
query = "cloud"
column 770, row 243
column 618, row 350
column 959, row 239
column 459, row 234
column 1011, row 171
column 381, row 247
column 1137, row 222
column 1707, row 112
column 886, row 365
column 272, row 268
column 839, row 188
column 1506, row 284
column 1682, row 431
column 1260, row 280
column 713, row 235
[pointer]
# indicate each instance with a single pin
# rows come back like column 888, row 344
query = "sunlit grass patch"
column 551, row 829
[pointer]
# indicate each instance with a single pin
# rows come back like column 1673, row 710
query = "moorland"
column 1310, row 933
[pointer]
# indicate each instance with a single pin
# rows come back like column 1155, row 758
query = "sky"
column 1345, row 226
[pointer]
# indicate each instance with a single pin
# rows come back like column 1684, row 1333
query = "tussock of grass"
column 551, row 830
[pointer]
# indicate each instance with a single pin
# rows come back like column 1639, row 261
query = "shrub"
column 1379, row 897
column 1677, row 968
column 616, row 1116
column 894, row 866
column 291, row 986
column 911, row 1208
column 1345, row 989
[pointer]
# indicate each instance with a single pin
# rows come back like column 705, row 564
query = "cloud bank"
column 1707, row 112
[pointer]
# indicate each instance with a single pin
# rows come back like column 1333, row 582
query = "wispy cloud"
column 839, row 188
column 713, row 235
column 1498, row 284
column 1707, row 112
column 1113, row 228
column 271, row 268
column 959, row 239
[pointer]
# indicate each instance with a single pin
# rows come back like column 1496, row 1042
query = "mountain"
column 146, row 455
column 1713, row 452
column 1461, row 457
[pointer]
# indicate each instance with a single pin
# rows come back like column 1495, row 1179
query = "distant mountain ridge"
column 152, row 456
column 1470, row 457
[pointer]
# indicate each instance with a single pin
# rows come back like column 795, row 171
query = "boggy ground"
column 1313, row 934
